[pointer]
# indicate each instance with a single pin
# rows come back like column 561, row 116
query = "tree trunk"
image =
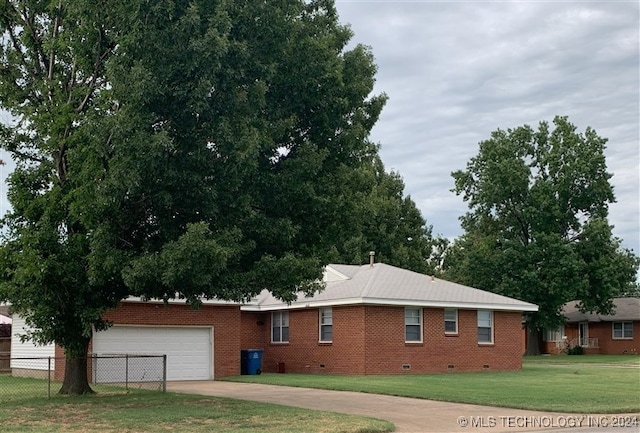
column 533, row 341
column 76, row 378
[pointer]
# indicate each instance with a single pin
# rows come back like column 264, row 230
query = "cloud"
column 456, row 71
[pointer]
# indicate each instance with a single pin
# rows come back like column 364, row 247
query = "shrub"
column 575, row 350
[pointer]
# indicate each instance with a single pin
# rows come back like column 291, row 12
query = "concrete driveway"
column 412, row 415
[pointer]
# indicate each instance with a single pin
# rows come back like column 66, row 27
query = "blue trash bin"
column 251, row 361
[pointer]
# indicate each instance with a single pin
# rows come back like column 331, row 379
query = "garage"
column 189, row 351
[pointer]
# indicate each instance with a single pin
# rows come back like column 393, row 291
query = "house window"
column 326, row 325
column 553, row 335
column 485, row 326
column 622, row 330
column 280, row 327
column 450, row 321
column 413, row 325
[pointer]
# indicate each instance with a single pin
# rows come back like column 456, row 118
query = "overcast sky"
column 455, row 71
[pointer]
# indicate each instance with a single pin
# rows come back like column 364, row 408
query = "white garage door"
column 189, row 350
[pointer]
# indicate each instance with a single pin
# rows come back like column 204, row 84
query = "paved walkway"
column 408, row 414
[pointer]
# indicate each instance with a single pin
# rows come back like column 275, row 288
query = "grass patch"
column 581, row 387
column 21, row 388
column 144, row 411
column 629, row 360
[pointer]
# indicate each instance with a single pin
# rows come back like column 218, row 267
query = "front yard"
column 152, row 412
column 573, row 384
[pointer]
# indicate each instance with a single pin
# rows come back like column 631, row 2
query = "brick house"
column 380, row 319
column 372, row 319
column 615, row 334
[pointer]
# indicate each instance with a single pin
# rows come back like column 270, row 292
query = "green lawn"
column 631, row 360
column 576, row 384
column 20, row 388
column 152, row 412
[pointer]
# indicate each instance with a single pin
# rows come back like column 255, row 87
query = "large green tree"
column 537, row 228
column 180, row 149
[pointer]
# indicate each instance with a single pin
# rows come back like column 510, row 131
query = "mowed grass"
column 573, row 384
column 628, row 360
column 20, row 388
column 152, row 412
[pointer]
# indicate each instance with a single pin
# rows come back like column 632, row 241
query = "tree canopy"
column 185, row 149
column 537, row 228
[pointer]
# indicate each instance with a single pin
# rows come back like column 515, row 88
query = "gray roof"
column 624, row 309
column 383, row 284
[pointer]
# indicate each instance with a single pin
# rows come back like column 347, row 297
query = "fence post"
column 49, row 379
column 126, row 372
column 164, row 373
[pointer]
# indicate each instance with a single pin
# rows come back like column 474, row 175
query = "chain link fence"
column 111, row 373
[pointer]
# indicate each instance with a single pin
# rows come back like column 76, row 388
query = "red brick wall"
column 370, row 340
column 552, row 348
column 224, row 319
column 387, row 351
column 603, row 331
column 304, row 353
column 252, row 330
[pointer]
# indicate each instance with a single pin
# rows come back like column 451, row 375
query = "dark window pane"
column 326, row 333
column 412, row 333
column 449, row 326
column 484, row 335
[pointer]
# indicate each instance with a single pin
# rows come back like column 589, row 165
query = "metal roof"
column 624, row 309
column 382, row 284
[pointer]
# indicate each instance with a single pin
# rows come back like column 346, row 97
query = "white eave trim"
column 525, row 307
column 302, row 304
column 137, row 299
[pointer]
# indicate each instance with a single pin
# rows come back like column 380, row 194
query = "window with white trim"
column 413, row 325
column 326, row 325
column 450, row 321
column 485, row 326
column 280, row 327
column 622, row 330
column 553, row 335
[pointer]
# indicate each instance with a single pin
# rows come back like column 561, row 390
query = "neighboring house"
column 379, row 319
column 36, row 360
column 373, row 319
column 617, row 333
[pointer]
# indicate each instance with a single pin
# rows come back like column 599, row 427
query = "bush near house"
column 574, row 350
